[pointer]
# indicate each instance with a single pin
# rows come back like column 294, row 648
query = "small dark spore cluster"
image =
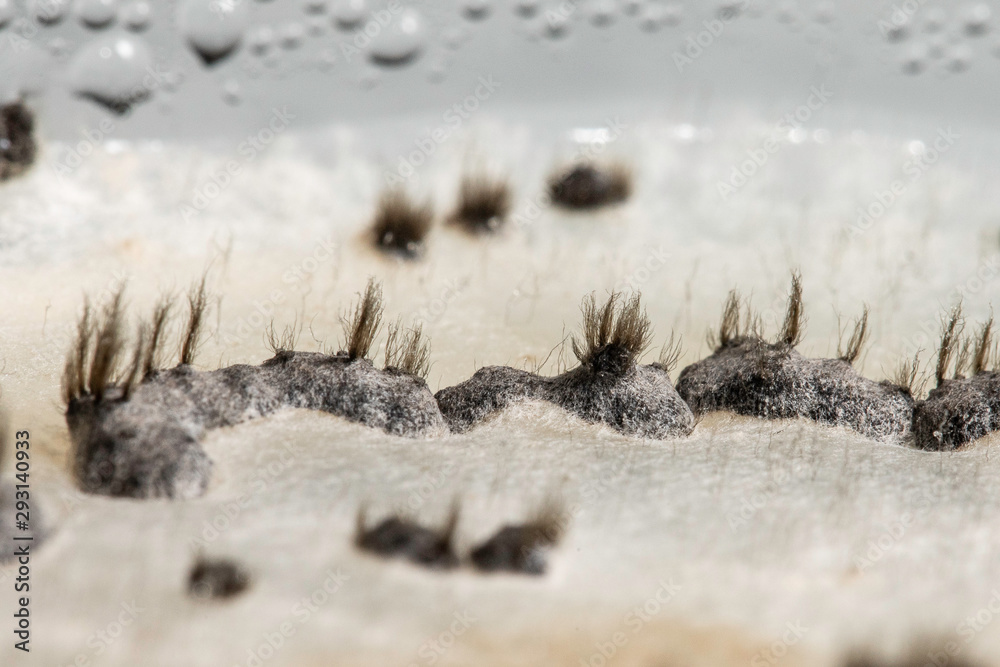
column 217, row 579
column 515, row 548
column 17, row 139
column 588, row 186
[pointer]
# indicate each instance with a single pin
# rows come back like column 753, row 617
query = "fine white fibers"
column 759, row 524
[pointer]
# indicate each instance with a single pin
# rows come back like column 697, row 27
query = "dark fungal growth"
column 217, row 579
column 521, row 548
column 401, row 224
column 137, row 428
column 608, row 387
column 588, row 185
column 484, row 202
column 924, row 654
column 17, row 139
column 397, row 537
column 965, row 406
column 407, row 351
column 751, row 376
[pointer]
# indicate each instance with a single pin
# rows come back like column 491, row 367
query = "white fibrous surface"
column 778, row 543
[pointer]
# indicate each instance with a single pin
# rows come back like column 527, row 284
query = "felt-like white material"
column 763, row 542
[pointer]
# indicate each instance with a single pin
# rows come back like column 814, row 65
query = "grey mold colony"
column 958, row 412
column 960, row 409
column 17, row 140
column 588, row 186
column 147, row 445
column 141, row 437
column 608, row 387
column 750, row 376
column 640, row 402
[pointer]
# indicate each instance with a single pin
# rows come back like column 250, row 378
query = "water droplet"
column 652, row 17
column 602, row 12
column 896, row 31
column 369, row 80
column 137, row 16
column 326, row 60
column 526, row 8
column 477, row 10
column 49, row 12
column 977, row 20
column 935, row 20
column 349, row 13
column 936, row 46
column 260, row 40
column 114, row 71
column 959, row 58
column 787, row 12
column 437, row 71
column 455, row 36
column 673, row 14
column 59, row 47
column 401, row 41
column 316, row 6
column 7, row 12
column 557, row 24
column 730, row 10
column 96, row 13
column 825, row 12
column 231, row 92
column 291, row 35
column 633, row 7
column 213, row 28
column 915, row 59
column 316, row 26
